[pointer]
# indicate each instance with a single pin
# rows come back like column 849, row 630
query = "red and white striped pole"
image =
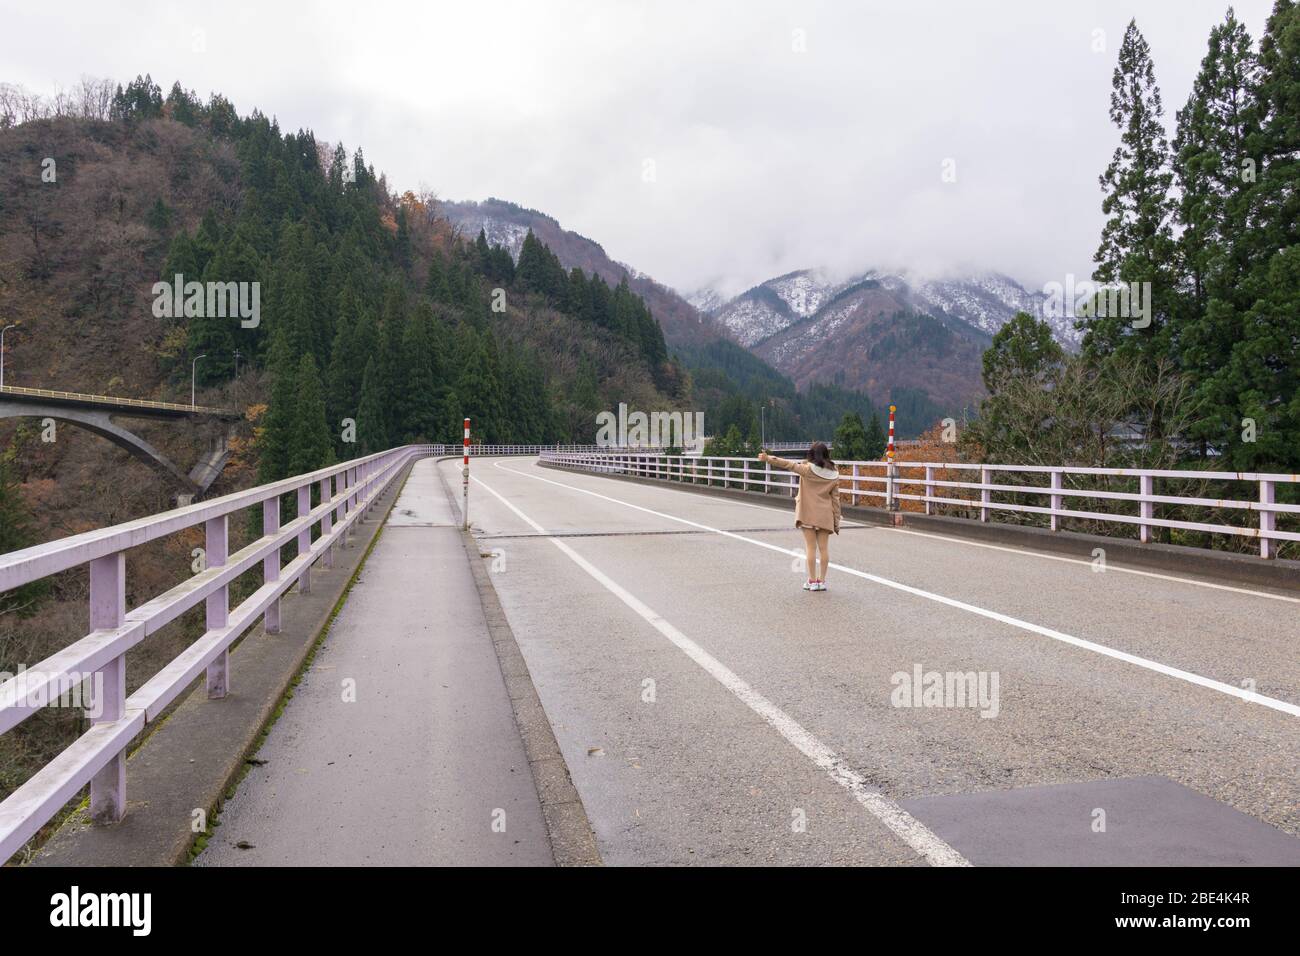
column 891, row 470
column 464, row 475
column 889, row 452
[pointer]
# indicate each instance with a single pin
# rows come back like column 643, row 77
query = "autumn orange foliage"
column 930, row 448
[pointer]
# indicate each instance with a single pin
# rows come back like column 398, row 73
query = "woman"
column 817, row 509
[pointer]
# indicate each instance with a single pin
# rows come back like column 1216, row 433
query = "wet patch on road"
column 1135, row 821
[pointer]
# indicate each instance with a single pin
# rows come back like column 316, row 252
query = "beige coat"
column 818, row 504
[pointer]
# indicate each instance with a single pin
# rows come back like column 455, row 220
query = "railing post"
column 767, row 478
column 891, row 477
column 218, row 603
column 271, row 563
column 304, row 538
column 327, row 519
column 1146, row 486
column 1056, row 500
column 986, row 494
column 342, row 511
column 929, row 489
column 108, row 684
column 853, row 495
column 1267, row 519
column 745, row 475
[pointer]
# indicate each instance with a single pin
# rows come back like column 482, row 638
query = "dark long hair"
column 820, row 455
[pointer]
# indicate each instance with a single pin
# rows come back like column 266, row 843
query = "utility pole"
column 12, row 325
column 193, row 371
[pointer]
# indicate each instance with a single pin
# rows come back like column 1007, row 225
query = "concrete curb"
column 573, row 843
column 1220, row 566
column 192, row 760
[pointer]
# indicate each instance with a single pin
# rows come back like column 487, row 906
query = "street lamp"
column 237, row 354
column 12, row 325
column 193, row 367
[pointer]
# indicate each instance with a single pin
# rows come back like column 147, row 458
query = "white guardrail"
column 98, row 757
column 877, row 480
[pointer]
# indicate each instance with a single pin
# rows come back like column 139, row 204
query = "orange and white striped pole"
column 464, row 475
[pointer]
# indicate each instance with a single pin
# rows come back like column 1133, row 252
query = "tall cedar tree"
column 310, row 444
column 1137, row 244
column 1264, row 367
column 372, row 434
column 1215, row 171
column 851, row 438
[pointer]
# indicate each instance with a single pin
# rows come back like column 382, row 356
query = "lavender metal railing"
column 98, row 756
column 886, row 482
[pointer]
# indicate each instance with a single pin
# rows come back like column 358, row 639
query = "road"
column 712, row 712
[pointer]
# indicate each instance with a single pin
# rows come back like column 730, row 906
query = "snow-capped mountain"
column 774, row 305
column 985, row 301
column 866, row 335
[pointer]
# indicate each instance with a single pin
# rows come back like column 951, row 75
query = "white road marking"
column 1109, row 567
column 905, row 826
column 1156, row 666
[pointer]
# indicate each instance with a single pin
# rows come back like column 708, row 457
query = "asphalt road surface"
column 712, row 712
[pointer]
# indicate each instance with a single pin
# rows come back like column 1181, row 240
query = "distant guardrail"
column 593, row 449
column 934, row 488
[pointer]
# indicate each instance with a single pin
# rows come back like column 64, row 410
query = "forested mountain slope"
column 373, row 312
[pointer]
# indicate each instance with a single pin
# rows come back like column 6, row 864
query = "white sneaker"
column 819, row 586
column 809, row 586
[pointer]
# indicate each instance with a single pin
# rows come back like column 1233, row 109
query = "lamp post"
column 12, row 325
column 193, row 371
column 237, row 355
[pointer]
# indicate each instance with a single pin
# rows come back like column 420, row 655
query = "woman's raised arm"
column 784, row 463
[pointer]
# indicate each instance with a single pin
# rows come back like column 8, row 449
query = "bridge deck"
column 713, row 712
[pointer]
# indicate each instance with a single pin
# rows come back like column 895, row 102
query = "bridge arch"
column 99, row 423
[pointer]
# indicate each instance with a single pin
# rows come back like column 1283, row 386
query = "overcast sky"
column 705, row 143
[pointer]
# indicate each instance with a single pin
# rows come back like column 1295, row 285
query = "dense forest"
column 376, row 330
column 1210, row 225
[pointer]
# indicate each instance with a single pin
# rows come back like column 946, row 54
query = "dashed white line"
column 1155, row 666
column 906, row 827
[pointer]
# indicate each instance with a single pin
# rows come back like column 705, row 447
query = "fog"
column 703, row 143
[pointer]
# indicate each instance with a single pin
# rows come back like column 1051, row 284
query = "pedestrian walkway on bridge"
column 399, row 746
